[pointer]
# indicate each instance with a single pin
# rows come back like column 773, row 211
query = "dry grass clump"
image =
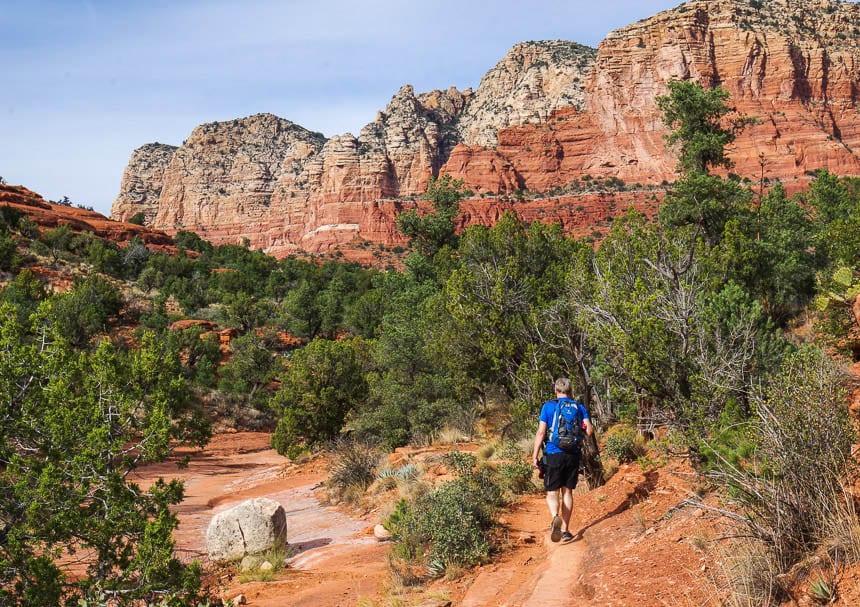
column 790, row 501
column 486, row 451
column 263, row 567
column 353, row 469
column 610, row 467
column 449, row 436
column 748, row 576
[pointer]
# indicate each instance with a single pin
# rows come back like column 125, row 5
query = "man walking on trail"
column 563, row 421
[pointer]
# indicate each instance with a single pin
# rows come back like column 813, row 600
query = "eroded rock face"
column 252, row 527
column 791, row 66
column 48, row 215
column 548, row 114
column 532, row 80
column 142, row 181
column 229, row 170
column 786, row 64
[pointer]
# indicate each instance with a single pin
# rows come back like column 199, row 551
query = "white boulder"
column 252, row 527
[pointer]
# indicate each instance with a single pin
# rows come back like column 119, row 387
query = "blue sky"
column 88, row 81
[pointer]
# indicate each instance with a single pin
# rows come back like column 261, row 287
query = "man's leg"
column 552, row 502
column 566, row 508
column 555, row 526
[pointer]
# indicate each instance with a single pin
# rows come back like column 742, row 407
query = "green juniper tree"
column 696, row 117
column 430, row 232
column 73, row 426
column 322, row 383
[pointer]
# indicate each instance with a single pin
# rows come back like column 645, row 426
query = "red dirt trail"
column 636, row 546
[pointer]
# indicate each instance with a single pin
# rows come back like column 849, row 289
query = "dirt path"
column 544, row 573
column 635, row 548
column 336, row 560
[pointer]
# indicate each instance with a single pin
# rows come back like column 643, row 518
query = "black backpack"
column 566, row 430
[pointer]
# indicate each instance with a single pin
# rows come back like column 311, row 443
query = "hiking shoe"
column 556, row 528
column 566, row 537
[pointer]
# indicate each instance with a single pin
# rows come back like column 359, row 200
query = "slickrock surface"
column 48, row 215
column 549, row 113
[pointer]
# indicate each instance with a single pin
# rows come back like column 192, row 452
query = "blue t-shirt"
column 547, row 413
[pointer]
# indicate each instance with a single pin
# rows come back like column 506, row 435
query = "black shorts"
column 562, row 470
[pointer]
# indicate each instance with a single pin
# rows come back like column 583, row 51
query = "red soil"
column 635, row 546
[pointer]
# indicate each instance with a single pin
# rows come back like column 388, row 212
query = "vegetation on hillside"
column 684, row 323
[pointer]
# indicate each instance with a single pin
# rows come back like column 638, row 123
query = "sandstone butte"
column 546, row 115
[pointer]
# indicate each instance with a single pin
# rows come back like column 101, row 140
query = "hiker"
column 563, row 422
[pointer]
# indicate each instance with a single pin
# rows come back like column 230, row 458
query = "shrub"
column 623, row 443
column 28, row 228
column 791, row 498
column 731, row 442
column 24, row 293
column 449, row 527
column 515, row 472
column 84, row 310
column 58, row 240
column 8, row 251
column 137, row 218
column 406, row 471
column 460, row 462
column 353, row 468
column 319, row 388
column 10, row 217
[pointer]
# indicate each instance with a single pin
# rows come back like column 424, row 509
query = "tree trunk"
column 591, row 465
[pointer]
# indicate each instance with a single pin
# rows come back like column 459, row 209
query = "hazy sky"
column 87, row 82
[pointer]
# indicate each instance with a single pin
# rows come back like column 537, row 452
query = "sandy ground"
column 335, row 558
column 620, row 556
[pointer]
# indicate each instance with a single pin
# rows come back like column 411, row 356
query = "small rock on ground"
column 381, row 533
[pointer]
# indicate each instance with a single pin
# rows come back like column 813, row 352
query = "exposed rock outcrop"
column 48, row 215
column 786, row 64
column 792, row 67
column 142, row 182
column 229, row 170
column 532, row 80
column 548, row 114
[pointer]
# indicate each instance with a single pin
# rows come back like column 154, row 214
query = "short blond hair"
column 562, row 386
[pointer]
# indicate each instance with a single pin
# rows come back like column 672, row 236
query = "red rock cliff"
column 554, row 111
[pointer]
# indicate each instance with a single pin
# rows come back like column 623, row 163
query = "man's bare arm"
column 539, row 435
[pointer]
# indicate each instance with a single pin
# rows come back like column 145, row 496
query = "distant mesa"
column 550, row 116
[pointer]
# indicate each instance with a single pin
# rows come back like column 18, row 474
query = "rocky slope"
column 548, row 114
column 48, row 215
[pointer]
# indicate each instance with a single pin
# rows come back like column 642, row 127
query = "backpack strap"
column 547, row 437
